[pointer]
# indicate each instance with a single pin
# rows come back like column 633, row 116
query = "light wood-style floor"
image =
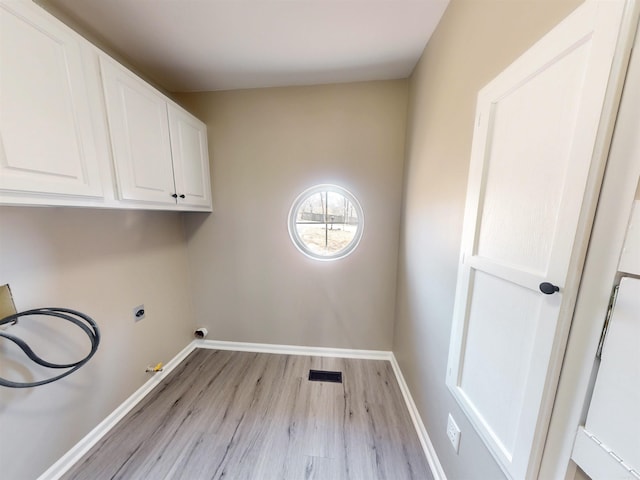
column 245, row 416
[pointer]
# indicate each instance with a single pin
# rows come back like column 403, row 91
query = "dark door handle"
column 182, row 196
column 549, row 288
column 174, row 195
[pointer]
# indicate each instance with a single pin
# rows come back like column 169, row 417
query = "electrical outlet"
column 453, row 432
column 139, row 313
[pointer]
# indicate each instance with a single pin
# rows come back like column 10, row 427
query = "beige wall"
column 102, row 263
column 249, row 282
column 474, row 42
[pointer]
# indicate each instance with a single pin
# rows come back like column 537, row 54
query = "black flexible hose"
column 89, row 327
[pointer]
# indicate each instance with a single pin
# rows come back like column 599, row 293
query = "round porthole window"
column 326, row 222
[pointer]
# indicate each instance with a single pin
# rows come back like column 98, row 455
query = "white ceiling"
column 201, row 45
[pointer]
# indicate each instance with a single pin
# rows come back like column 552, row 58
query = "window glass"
column 326, row 222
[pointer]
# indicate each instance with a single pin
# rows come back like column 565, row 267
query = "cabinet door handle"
column 182, row 196
column 174, row 195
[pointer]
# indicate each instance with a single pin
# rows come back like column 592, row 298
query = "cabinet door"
column 190, row 158
column 137, row 116
column 46, row 139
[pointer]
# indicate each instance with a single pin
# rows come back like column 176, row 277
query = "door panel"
column 531, row 159
column 47, row 143
column 499, row 353
column 139, row 131
column 523, row 198
column 190, row 158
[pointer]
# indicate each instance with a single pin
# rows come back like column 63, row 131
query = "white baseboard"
column 55, row 471
column 83, row 446
column 427, row 446
column 295, row 350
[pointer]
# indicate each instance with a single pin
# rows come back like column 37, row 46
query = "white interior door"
column 531, row 159
column 139, row 129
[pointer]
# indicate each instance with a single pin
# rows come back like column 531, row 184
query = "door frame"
column 612, row 212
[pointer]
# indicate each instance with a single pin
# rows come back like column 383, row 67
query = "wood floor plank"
column 253, row 416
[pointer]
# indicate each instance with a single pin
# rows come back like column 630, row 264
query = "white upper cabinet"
column 47, row 144
column 139, row 129
column 190, row 158
column 63, row 101
column 159, row 150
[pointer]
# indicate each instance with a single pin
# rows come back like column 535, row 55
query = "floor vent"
column 325, row 376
